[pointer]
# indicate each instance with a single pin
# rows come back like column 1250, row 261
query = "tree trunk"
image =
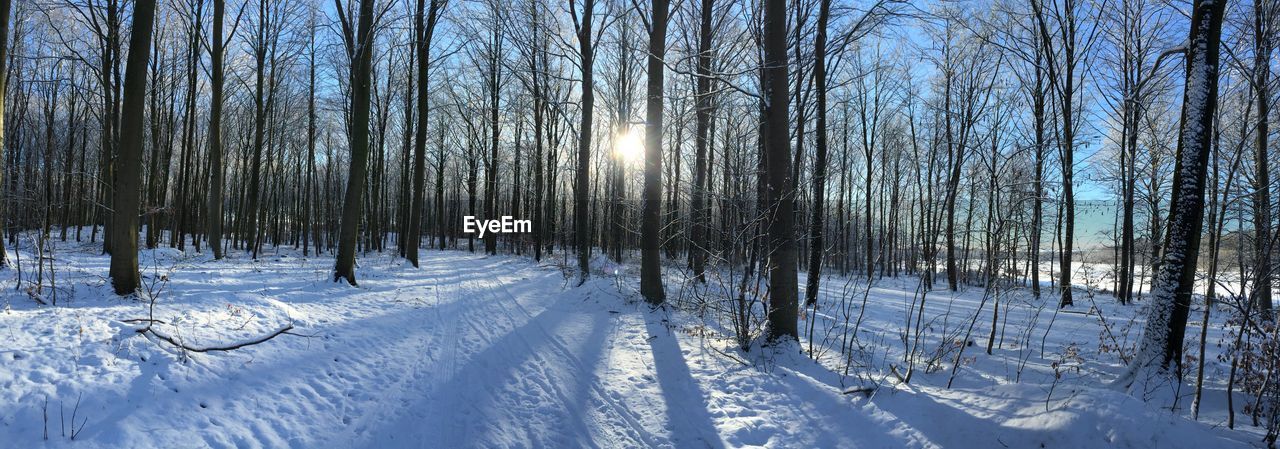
column 128, row 180
column 440, row 215
column 1037, row 204
column 308, row 224
column 361, row 52
column 779, row 189
column 698, row 212
column 1161, row 345
column 110, row 75
column 651, row 219
column 491, row 169
column 259, row 130
column 582, row 179
column 816, row 248
column 539, row 106
column 1262, row 11
column 423, row 31
column 5, row 7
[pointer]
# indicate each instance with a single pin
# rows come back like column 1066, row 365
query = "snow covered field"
column 474, row 351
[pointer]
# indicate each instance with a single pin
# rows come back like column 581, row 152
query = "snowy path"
column 531, row 364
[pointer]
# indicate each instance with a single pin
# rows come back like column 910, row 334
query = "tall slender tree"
column 816, row 246
column 582, row 24
column 307, row 201
column 128, row 180
column 1160, row 349
column 423, row 31
column 216, row 175
column 1264, row 12
column 651, row 214
column 359, row 47
column 698, row 213
column 1075, row 37
column 5, row 7
column 780, row 188
column 494, row 60
column 537, row 57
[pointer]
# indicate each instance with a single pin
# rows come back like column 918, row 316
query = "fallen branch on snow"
column 866, row 391
column 230, row 347
column 142, row 320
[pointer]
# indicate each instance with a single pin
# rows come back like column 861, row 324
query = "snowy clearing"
column 473, row 351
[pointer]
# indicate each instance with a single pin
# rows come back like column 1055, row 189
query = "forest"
column 639, row 223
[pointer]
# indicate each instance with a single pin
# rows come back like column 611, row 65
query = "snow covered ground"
column 475, row 351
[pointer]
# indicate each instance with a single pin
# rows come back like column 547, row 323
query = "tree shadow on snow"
column 931, row 416
column 496, row 397
column 690, row 424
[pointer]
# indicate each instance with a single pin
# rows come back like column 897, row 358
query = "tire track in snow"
column 499, row 347
column 468, row 338
column 421, row 403
column 407, row 386
column 623, row 415
column 505, row 381
column 551, row 378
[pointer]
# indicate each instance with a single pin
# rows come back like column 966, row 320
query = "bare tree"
column 816, row 248
column 5, row 7
column 583, row 22
column 1264, row 17
column 359, row 48
column 780, row 188
column 124, row 255
column 1075, row 38
column 699, row 213
column 1160, row 349
column 424, row 30
column 651, row 215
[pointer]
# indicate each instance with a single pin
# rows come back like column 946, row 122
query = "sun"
column 629, row 146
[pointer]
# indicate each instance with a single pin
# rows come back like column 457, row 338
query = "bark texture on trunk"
column 779, row 188
column 361, row 64
column 128, row 180
column 1160, row 349
column 651, row 215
